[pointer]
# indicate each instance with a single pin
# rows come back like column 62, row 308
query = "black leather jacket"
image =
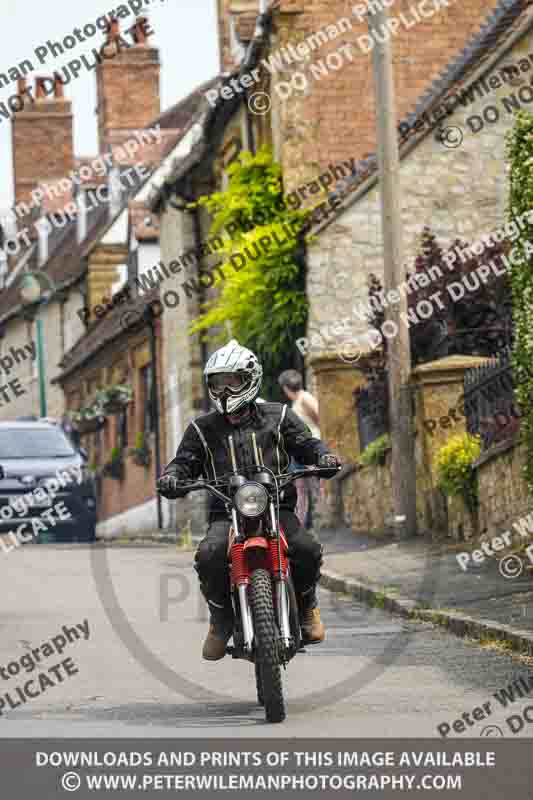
column 280, row 434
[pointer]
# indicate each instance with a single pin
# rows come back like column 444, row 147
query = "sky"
column 185, row 33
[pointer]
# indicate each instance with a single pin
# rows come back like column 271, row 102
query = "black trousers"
column 211, row 561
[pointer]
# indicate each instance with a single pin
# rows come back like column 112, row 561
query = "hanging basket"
column 90, row 424
column 115, row 406
column 114, row 399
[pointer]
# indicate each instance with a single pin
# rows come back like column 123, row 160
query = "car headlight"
column 251, row 499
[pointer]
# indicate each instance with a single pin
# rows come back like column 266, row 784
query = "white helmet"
column 233, row 375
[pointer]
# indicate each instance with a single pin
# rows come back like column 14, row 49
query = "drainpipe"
column 249, row 126
column 197, row 230
column 155, row 406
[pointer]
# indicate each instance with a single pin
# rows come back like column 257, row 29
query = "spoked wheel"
column 259, row 685
column 266, row 646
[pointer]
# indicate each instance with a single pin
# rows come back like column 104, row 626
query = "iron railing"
column 492, row 412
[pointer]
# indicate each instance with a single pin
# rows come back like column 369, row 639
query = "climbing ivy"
column 262, row 277
column 520, row 156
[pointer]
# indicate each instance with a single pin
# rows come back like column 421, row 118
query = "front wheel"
column 268, row 669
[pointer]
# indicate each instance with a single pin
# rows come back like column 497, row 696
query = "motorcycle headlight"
column 251, row 499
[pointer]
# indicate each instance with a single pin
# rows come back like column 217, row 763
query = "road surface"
column 139, row 672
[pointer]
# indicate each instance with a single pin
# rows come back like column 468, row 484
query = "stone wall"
column 367, row 498
column 365, row 501
column 503, row 495
column 502, row 489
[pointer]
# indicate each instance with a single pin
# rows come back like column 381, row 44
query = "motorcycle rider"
column 233, row 375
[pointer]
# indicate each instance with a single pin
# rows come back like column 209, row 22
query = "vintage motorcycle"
column 266, row 627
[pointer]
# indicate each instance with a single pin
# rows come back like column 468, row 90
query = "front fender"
column 256, row 541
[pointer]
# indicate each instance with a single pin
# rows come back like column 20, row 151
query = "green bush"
column 375, row 452
column 520, row 156
column 456, row 476
column 263, row 302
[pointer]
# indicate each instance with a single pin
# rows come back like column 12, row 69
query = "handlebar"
column 283, row 480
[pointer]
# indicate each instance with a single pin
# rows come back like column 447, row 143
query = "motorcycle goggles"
column 233, row 382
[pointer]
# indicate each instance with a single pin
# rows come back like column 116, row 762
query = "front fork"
column 281, row 601
column 282, row 607
column 242, row 593
column 246, row 617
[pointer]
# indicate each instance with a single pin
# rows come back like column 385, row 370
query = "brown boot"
column 215, row 644
column 312, row 627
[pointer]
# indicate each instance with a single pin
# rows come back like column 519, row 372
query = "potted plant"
column 114, row 468
column 141, row 453
column 113, row 399
column 88, row 419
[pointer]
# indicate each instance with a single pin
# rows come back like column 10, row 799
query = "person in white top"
column 306, row 407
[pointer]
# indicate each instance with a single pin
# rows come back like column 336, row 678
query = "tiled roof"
column 65, row 264
column 179, row 115
column 493, row 34
column 509, row 18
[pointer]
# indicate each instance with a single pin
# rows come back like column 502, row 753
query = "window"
column 28, row 442
column 147, row 389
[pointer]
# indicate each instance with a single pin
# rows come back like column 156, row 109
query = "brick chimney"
column 127, row 85
column 43, row 149
column 236, row 25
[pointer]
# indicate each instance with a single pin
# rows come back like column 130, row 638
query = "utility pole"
column 399, row 360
